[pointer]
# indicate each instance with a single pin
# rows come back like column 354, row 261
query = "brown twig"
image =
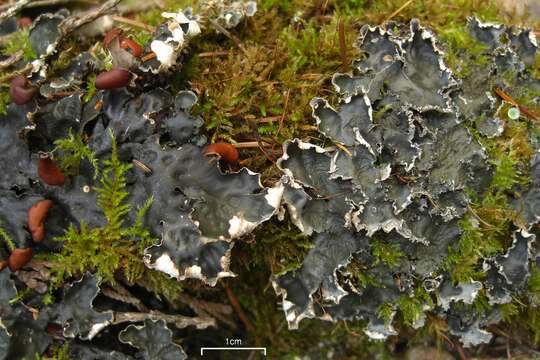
column 43, row 3
column 178, row 320
column 269, row 119
column 226, row 32
column 282, row 119
column 73, row 22
column 134, row 23
column 342, row 45
column 253, row 125
column 461, row 352
column 505, row 97
column 241, row 314
column 344, row 148
column 479, row 218
column 23, row 71
column 149, row 56
column 214, row 54
column 396, row 13
column 11, row 60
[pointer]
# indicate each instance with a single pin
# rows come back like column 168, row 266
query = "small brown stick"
column 344, row 148
column 342, row 45
column 268, row 119
column 395, row 13
column 149, row 56
column 226, row 32
column 11, row 60
column 479, row 218
column 308, row 127
column 282, row 119
column 214, row 54
column 145, row 168
column 461, row 352
column 241, row 314
column 178, row 320
column 120, row 293
column 7, row 78
column 351, row 332
column 71, row 23
column 134, row 23
column 253, row 125
column 249, row 145
column 43, row 3
column 503, row 95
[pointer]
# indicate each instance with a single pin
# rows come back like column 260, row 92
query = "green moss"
column 18, row 41
column 389, row 254
column 462, row 51
column 112, row 247
column 360, row 275
column 5, row 99
column 279, row 246
column 6, row 238
column 71, row 152
column 413, row 307
column 90, row 88
column 386, row 312
column 56, row 352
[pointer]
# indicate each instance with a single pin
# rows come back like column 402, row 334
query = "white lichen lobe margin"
column 164, row 264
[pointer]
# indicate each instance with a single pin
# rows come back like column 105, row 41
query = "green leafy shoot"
column 18, row 41
column 115, row 246
column 8, row 240
column 90, row 88
column 386, row 253
column 5, row 99
column 72, row 151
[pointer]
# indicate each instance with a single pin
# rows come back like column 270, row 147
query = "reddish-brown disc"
column 226, row 151
column 19, row 258
column 113, row 79
column 36, row 219
column 25, row 21
column 128, row 44
column 49, row 172
column 19, row 93
column 110, row 36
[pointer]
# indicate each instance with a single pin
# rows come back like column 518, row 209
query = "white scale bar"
column 263, row 349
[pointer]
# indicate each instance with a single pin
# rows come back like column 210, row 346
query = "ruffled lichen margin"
column 510, row 166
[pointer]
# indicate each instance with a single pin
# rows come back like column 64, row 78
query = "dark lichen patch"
column 306, row 72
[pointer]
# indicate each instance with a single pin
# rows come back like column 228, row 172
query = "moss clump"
column 389, row 254
column 5, row 99
column 6, row 238
column 19, row 42
column 112, row 247
column 90, row 88
column 462, row 50
column 72, row 151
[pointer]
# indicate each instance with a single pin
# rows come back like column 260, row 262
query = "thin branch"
column 396, row 13
column 226, row 32
column 241, row 314
column 213, row 54
column 282, row 119
column 133, row 23
column 505, row 97
column 253, row 125
column 11, row 60
column 479, row 218
column 342, row 46
column 74, row 22
column 178, row 320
